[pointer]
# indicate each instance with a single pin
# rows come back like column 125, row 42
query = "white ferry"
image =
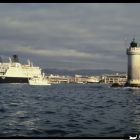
column 40, row 80
column 15, row 72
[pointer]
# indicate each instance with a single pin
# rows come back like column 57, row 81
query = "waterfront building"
column 115, row 78
column 86, row 79
column 57, row 79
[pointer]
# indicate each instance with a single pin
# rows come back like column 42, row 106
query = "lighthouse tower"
column 133, row 74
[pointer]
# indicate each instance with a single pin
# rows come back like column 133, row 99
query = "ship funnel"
column 15, row 58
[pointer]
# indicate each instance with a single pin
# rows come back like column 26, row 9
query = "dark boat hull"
column 132, row 85
column 13, row 80
column 117, row 85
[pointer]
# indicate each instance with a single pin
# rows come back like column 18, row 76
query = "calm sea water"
column 68, row 110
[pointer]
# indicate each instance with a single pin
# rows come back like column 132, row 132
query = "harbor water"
column 68, row 110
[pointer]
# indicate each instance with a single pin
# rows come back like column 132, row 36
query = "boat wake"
column 133, row 88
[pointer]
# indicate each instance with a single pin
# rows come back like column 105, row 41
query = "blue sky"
column 70, row 36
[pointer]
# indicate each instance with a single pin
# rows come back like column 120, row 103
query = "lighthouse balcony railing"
column 133, row 50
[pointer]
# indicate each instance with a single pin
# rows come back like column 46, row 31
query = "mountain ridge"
column 79, row 72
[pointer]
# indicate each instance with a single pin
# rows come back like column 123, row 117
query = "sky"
column 69, row 36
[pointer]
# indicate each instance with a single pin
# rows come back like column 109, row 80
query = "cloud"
column 70, row 35
column 52, row 53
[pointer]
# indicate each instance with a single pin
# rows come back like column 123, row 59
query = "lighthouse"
column 133, row 72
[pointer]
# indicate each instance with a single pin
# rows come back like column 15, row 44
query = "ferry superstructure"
column 15, row 72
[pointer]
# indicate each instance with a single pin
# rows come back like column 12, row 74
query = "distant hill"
column 79, row 72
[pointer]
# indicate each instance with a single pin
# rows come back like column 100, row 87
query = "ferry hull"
column 13, row 80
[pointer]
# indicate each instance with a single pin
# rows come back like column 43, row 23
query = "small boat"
column 92, row 80
column 40, row 80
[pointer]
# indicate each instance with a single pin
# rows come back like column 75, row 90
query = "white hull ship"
column 15, row 72
column 41, row 81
